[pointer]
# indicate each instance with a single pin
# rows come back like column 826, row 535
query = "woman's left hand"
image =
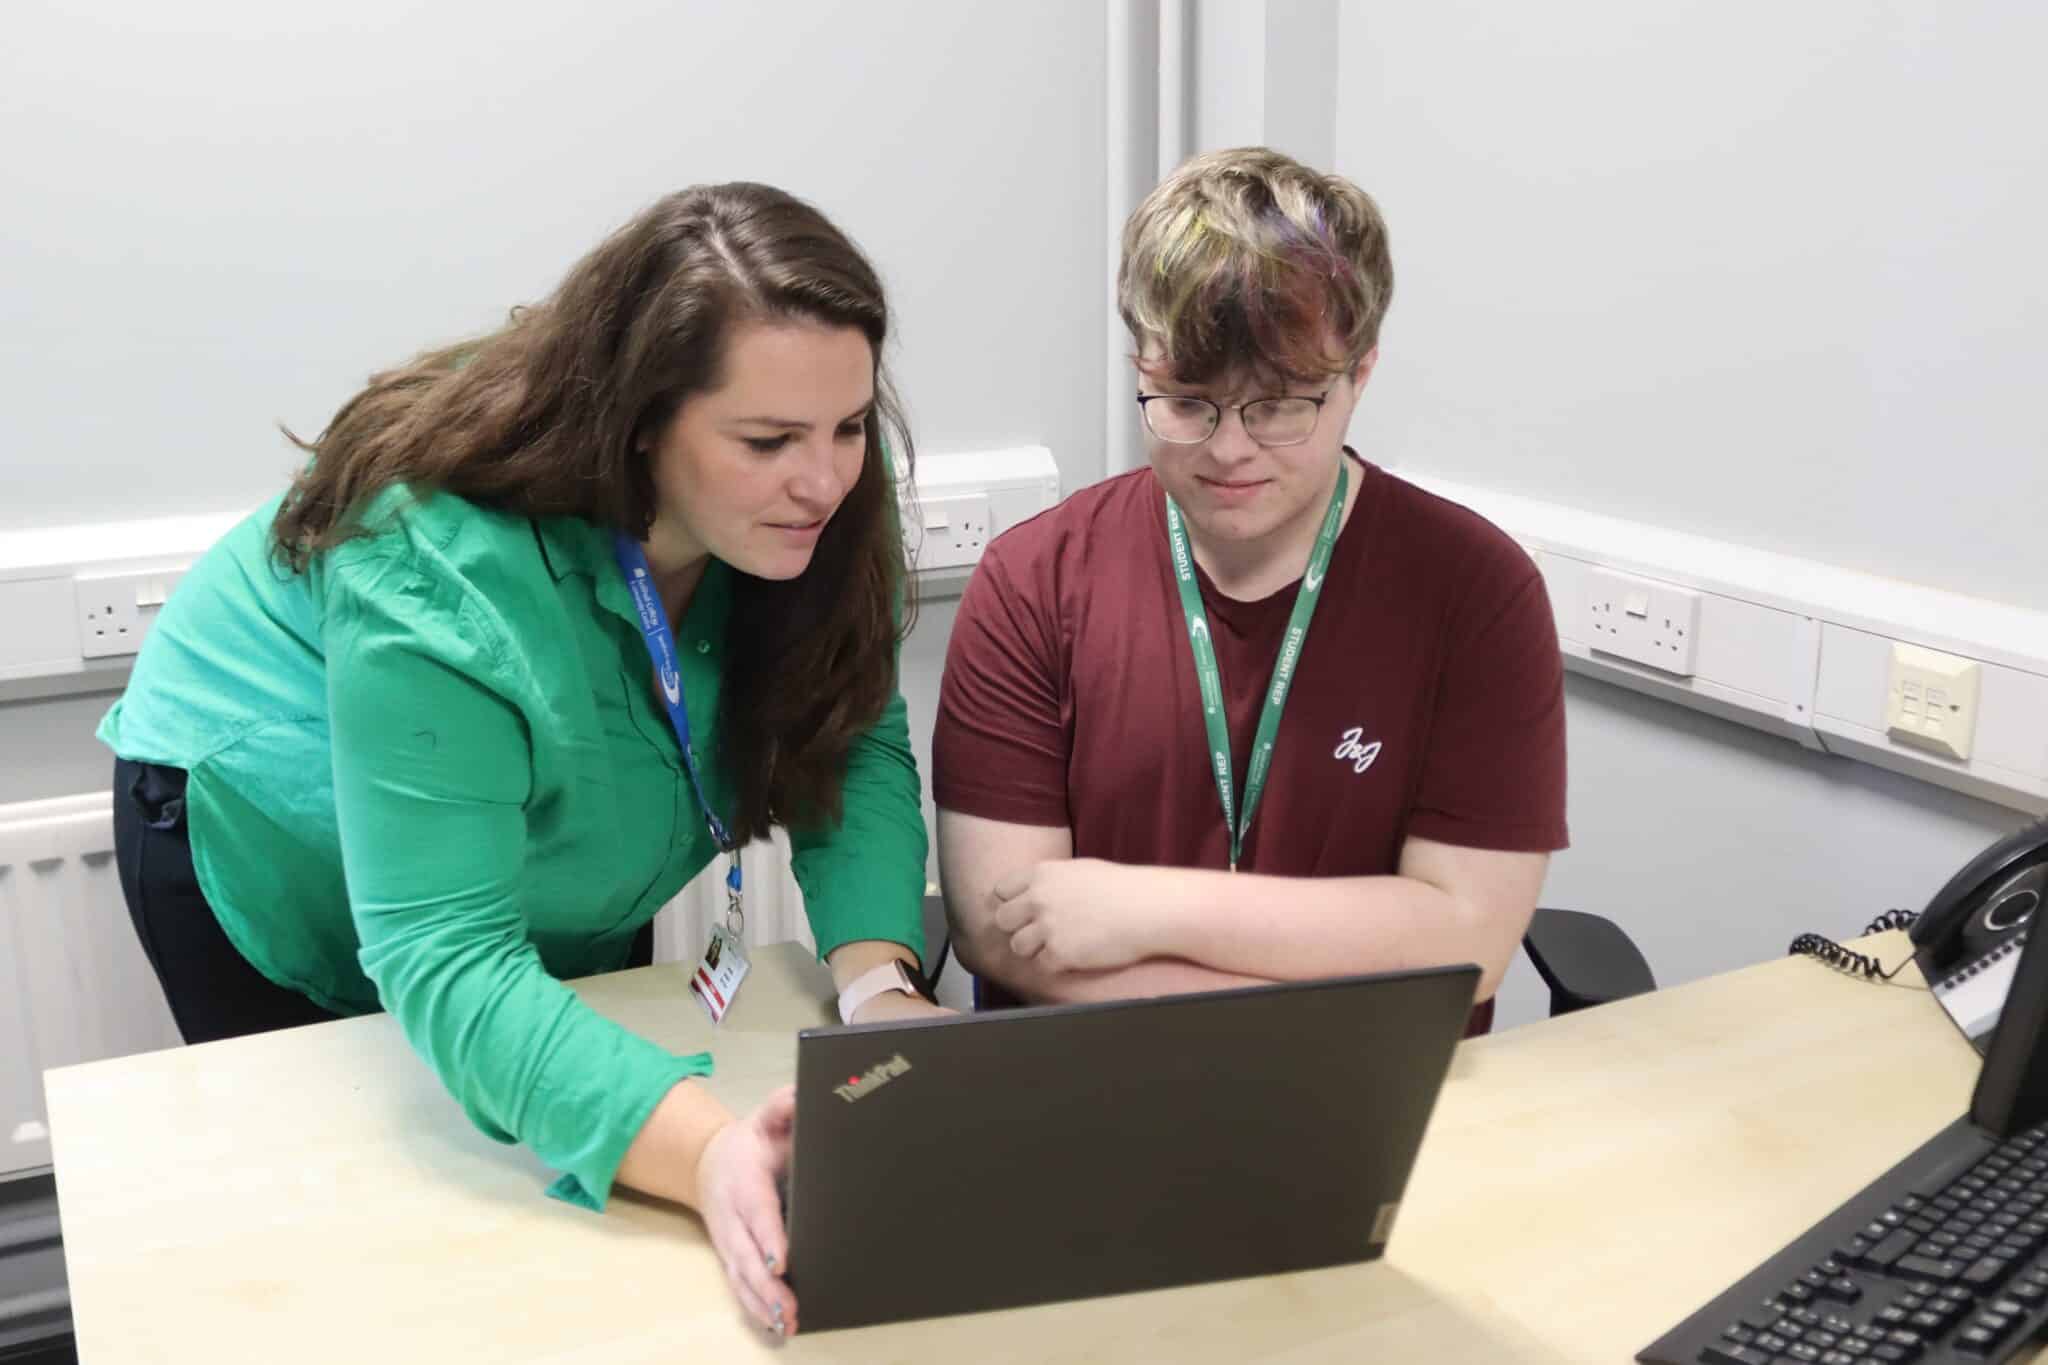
column 851, row 961
column 897, row 1005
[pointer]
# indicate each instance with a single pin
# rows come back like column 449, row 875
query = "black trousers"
column 212, row 990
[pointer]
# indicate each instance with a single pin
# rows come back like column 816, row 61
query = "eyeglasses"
column 1184, row 420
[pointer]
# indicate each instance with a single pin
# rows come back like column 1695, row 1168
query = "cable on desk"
column 1855, row 963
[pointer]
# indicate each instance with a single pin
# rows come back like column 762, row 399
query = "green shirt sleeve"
column 864, row 878
column 432, row 767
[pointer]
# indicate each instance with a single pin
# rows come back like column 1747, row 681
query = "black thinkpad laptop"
column 994, row 1160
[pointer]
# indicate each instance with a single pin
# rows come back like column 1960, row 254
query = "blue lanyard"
column 661, row 648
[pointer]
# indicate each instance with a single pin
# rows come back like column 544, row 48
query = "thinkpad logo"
column 876, row 1076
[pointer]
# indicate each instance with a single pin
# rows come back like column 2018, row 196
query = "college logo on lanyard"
column 724, row 965
column 1211, row 678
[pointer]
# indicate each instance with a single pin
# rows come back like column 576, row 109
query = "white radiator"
column 775, row 914
column 74, row 985
column 774, row 905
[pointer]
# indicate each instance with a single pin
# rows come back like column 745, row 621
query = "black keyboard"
column 1942, row 1259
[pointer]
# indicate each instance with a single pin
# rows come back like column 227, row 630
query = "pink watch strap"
column 890, row 976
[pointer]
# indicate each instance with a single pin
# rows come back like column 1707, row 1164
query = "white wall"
column 1669, row 263
column 220, row 214
column 1762, row 272
column 1265, row 73
column 1770, row 273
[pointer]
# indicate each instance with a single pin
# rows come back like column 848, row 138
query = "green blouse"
column 431, row 773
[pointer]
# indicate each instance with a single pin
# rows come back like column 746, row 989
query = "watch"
column 893, row 975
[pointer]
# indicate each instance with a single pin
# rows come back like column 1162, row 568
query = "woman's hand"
column 851, row 961
column 736, row 1196
column 897, row 1005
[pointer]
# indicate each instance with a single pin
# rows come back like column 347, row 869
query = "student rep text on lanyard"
column 1213, row 717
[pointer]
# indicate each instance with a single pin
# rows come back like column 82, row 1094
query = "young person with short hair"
column 1260, row 711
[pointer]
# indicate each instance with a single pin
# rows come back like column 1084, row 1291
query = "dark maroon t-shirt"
column 1428, row 700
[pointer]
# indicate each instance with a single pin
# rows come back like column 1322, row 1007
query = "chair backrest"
column 1585, row 959
column 936, row 930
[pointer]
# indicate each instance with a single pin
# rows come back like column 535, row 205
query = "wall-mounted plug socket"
column 955, row 531
column 115, row 610
column 1643, row 620
column 961, row 501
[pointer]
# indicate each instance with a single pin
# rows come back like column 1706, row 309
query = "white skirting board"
column 78, row 600
column 1795, row 647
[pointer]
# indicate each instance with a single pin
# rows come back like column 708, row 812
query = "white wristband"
column 890, row 976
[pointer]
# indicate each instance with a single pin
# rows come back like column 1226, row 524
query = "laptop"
column 987, row 1161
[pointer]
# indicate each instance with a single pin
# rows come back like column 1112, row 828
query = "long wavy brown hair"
column 548, row 415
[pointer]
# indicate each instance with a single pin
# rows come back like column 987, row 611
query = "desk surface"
column 1586, row 1182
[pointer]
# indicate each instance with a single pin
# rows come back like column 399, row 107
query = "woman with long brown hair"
column 549, row 619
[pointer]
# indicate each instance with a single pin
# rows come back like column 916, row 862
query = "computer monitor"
column 2012, row 1087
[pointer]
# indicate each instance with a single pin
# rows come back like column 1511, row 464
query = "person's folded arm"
column 1445, row 904
column 979, row 857
column 432, row 769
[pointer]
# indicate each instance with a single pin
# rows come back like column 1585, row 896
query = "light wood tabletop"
column 314, row 1195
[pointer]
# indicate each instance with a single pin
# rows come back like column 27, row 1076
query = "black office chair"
column 1584, row 960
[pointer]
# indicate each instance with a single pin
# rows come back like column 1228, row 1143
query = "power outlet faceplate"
column 1643, row 620
column 955, row 531
column 115, row 610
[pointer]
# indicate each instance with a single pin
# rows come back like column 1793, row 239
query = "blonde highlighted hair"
column 1247, row 261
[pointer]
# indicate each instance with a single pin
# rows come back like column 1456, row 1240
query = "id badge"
column 719, row 973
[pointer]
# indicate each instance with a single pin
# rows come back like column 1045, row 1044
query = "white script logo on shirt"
column 1359, row 756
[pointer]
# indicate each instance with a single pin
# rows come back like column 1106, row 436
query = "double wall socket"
column 1643, row 620
column 115, row 610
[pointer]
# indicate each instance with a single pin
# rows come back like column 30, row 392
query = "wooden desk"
column 314, row 1196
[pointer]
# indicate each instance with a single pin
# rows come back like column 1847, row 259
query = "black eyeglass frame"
column 1216, row 411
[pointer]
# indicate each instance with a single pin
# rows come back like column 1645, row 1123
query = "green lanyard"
column 1283, row 668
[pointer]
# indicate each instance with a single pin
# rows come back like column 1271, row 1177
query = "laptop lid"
column 987, row 1161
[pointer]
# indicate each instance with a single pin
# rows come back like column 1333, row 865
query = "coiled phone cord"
column 1855, row 963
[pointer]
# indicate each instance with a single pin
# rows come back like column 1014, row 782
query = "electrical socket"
column 955, row 531
column 1643, row 620
column 960, row 501
column 115, row 610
